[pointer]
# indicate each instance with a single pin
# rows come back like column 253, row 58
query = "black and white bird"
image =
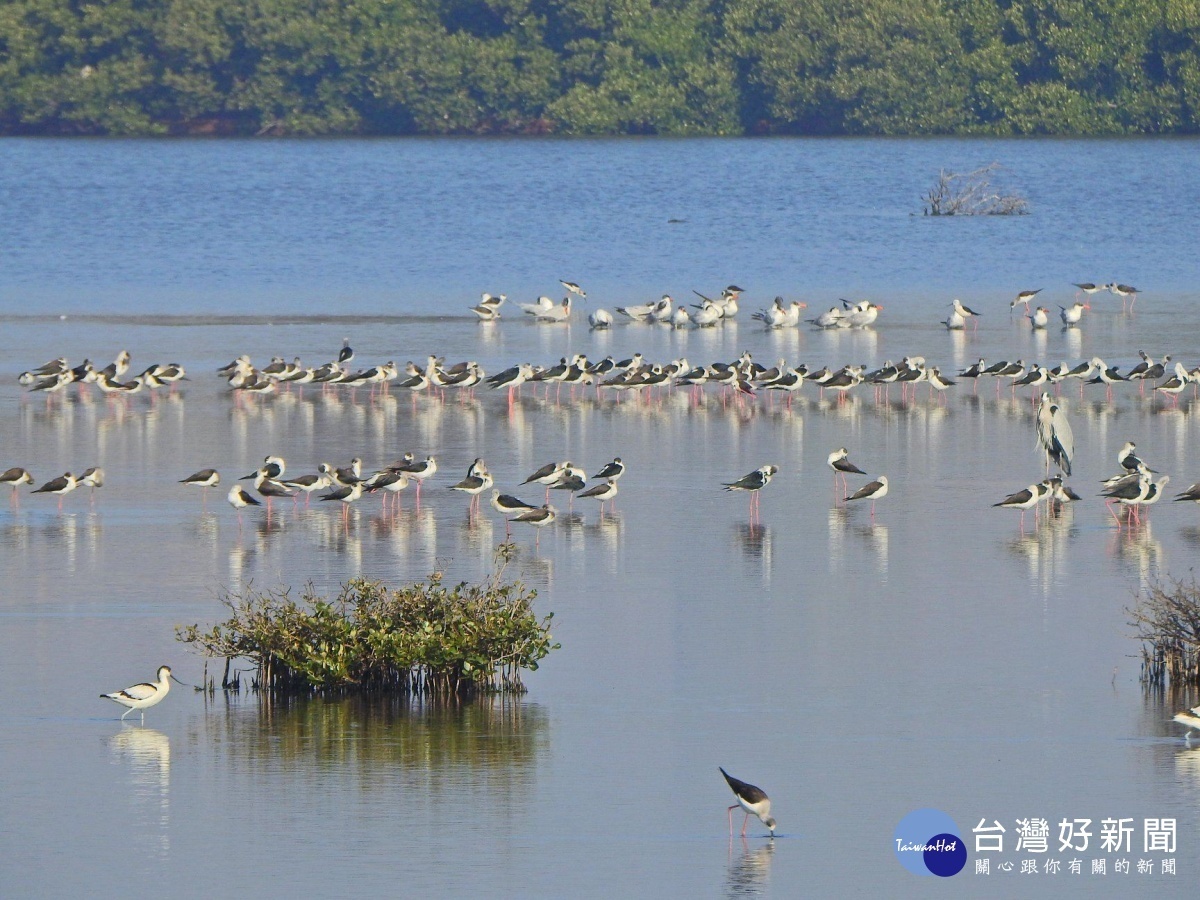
column 614, row 470
column 753, row 800
column 347, row 495
column 1192, row 494
column 539, row 518
column 965, row 312
column 600, row 319
column 310, row 484
column 508, row 505
column 1088, row 287
column 15, row 477
column 477, row 481
column 1071, row 315
column 1128, row 459
column 61, row 486
column 573, row 287
column 346, row 353
column 1026, row 499
column 1054, row 434
column 141, row 697
column 841, row 465
column 1125, row 291
column 1025, row 297
column 753, row 483
column 92, row 478
column 239, row 498
column 205, row 478
column 602, row 492
column 876, row 490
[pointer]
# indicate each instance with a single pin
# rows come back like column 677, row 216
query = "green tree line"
column 599, row 66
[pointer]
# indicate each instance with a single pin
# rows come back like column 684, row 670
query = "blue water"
column 857, row 670
column 420, row 226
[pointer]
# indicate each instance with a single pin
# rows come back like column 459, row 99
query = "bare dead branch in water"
column 1167, row 622
column 972, row 194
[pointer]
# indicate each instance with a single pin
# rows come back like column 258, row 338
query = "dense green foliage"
column 594, row 67
column 423, row 638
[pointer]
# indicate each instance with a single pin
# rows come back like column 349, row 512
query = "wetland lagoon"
column 936, row 657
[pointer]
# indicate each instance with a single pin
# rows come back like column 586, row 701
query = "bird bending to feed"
column 876, row 490
column 1192, row 493
column 1025, row 297
column 573, row 287
column 752, row 800
column 601, row 318
column 142, row 696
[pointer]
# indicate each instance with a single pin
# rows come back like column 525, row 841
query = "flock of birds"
column 350, row 484
column 1133, row 487
column 57, row 374
column 711, row 311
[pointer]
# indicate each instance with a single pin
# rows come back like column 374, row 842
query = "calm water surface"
column 857, row 670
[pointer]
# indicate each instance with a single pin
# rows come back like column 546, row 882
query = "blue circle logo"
column 927, row 843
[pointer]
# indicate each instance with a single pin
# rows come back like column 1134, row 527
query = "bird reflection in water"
column 750, row 869
column 756, row 543
column 146, row 753
column 1045, row 548
column 1137, row 547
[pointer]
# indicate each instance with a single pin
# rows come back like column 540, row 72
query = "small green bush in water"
column 423, row 638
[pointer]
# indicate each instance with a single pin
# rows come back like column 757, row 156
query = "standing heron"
column 1054, row 434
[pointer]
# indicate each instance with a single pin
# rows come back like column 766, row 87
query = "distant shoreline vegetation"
column 671, row 67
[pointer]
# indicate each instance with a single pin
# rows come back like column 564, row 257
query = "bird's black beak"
column 177, row 681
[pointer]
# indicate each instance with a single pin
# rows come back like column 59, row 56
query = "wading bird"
column 751, row 799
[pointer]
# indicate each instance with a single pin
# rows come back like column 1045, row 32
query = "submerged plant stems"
column 1167, row 619
column 421, row 639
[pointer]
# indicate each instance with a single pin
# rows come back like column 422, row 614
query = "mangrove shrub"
column 420, row 639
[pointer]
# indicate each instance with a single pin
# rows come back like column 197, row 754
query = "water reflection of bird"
column 753, row 800
column 141, row 697
column 749, row 872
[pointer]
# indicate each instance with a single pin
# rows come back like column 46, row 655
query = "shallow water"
column 857, row 670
